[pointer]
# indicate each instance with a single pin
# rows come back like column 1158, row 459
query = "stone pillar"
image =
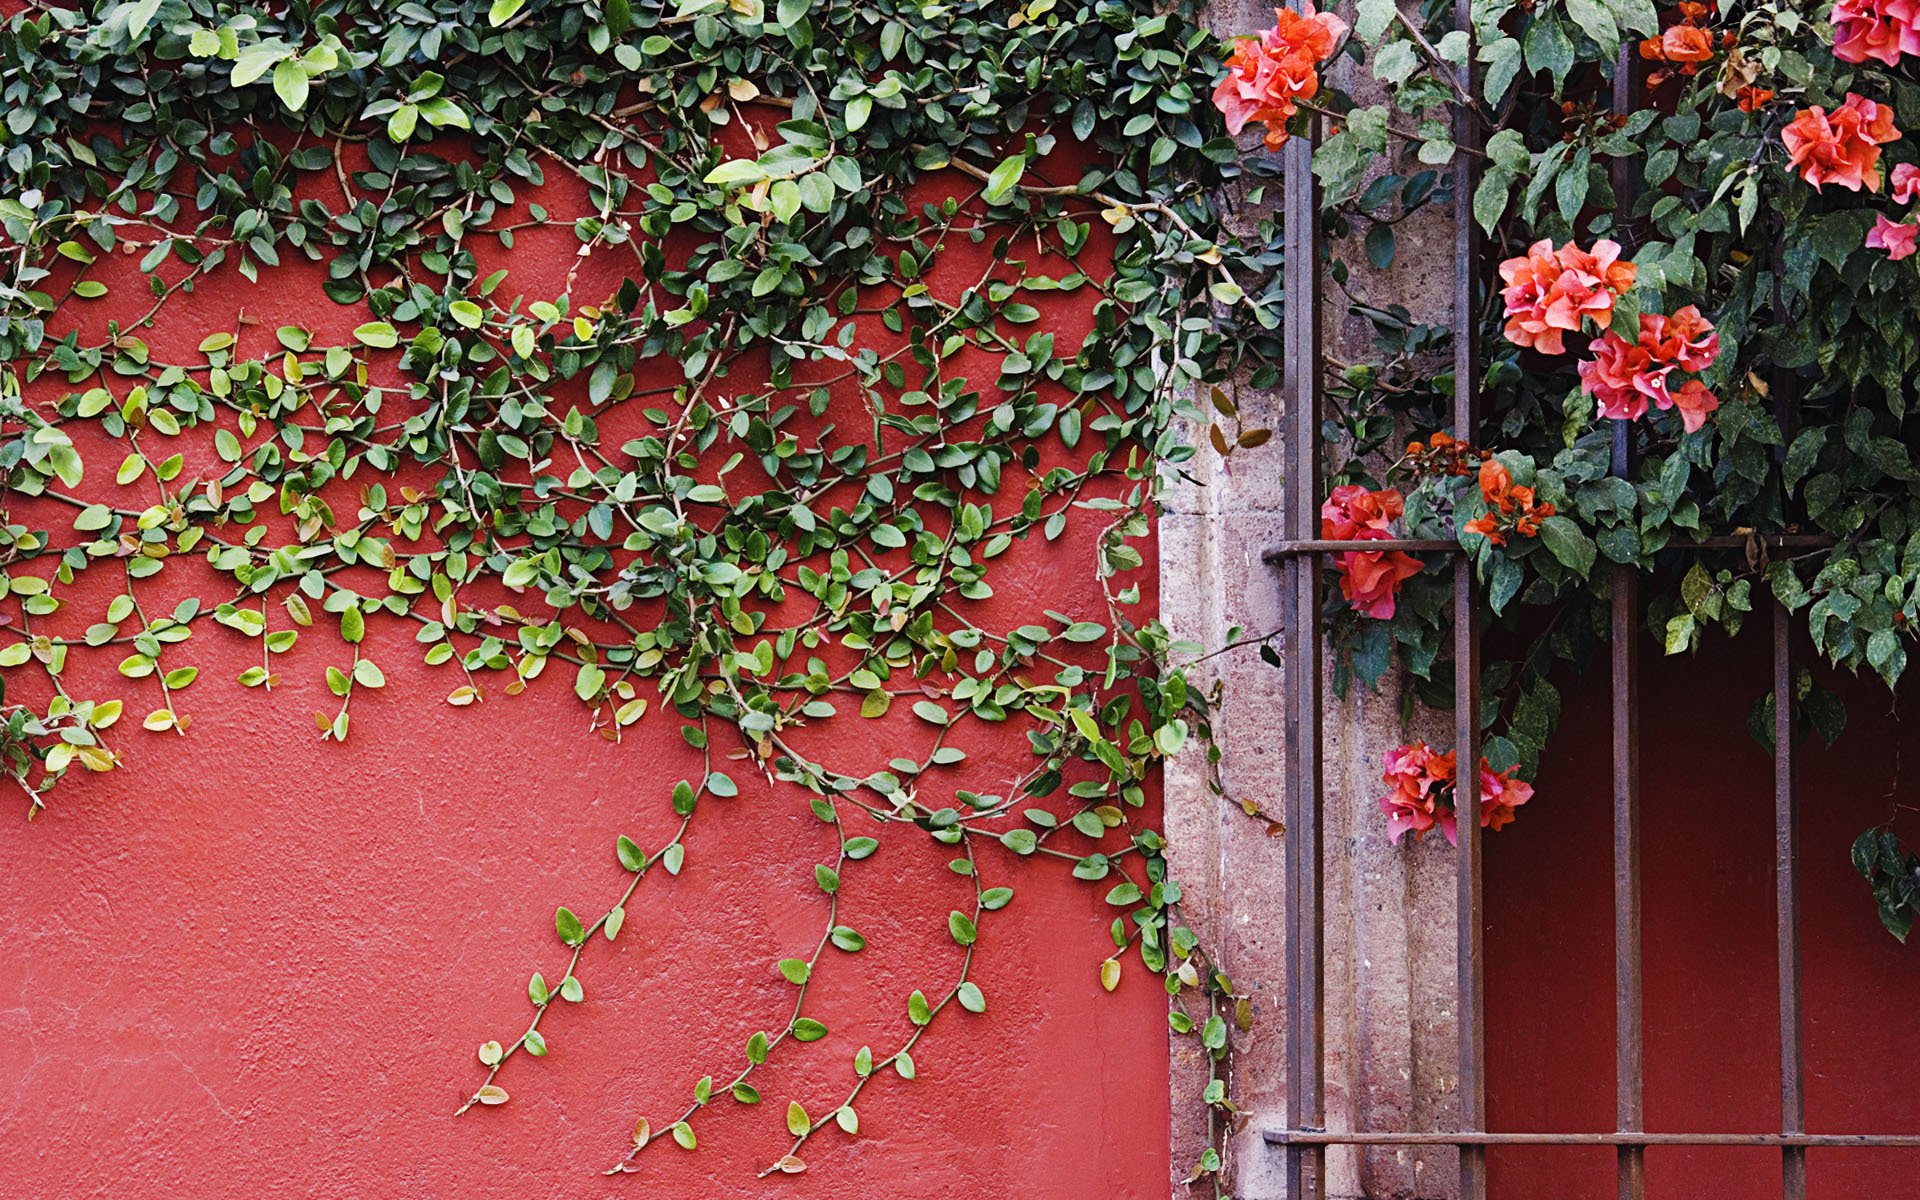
column 1390, row 1052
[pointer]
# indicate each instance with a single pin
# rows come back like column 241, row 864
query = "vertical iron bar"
column 1629, row 1113
column 1793, row 1116
column 1786, row 875
column 1470, row 964
column 1630, row 1167
column 1301, row 388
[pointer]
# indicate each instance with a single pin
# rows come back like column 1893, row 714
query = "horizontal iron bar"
column 1290, row 548
column 1321, row 1137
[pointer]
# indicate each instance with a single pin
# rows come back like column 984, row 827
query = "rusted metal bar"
column 1786, row 884
column 1470, row 968
column 1302, row 377
column 1629, row 1080
column 1734, row 541
column 1630, row 1163
column 1786, row 874
column 1791, row 1141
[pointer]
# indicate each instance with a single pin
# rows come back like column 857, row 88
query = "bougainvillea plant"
column 746, row 458
column 1723, row 264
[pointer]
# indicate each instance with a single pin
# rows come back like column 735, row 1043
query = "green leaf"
column 588, row 682
column 1596, row 20
column 970, row 997
column 806, row 1029
column 1371, row 18
column 962, row 928
column 290, row 84
column 378, row 334
column 256, row 60
column 503, row 11
column 93, row 517
column 797, row 1122
column 568, row 926
column 1004, row 178
column 632, row 857
column 1568, row 543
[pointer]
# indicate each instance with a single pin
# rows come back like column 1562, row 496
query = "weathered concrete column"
column 1390, row 1049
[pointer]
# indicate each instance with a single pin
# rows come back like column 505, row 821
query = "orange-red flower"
column 1500, row 794
column 1442, row 455
column 1268, row 74
column 1694, row 402
column 1686, row 44
column 1882, row 29
column 1750, row 97
column 1843, row 146
column 1686, row 338
column 1511, row 509
column 1550, row 292
column 1369, row 579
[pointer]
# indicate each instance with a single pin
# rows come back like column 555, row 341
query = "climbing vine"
column 741, row 459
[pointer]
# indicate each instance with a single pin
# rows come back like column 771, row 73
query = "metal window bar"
column 1299, row 558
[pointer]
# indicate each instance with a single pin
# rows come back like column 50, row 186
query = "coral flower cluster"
column 1684, row 46
column 1843, row 146
column 1881, row 29
column 1897, row 237
column 1511, row 509
column 1442, row 455
column 1369, row 579
column 1624, row 377
column 1550, row 292
column 1423, row 791
column 1269, row 74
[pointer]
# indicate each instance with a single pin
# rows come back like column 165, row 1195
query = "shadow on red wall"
column 1711, row 1012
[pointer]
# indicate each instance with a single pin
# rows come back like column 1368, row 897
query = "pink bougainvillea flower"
column 1423, row 795
column 1550, row 292
column 1895, row 237
column 1354, row 512
column 1906, row 182
column 1882, row 29
column 1624, row 376
column 1841, row 147
column 1694, row 402
column 1369, row 579
column 1267, row 75
column 1421, row 780
column 1686, row 338
column 1500, row 794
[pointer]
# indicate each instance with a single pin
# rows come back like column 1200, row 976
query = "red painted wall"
column 1710, row 1002
column 256, row 964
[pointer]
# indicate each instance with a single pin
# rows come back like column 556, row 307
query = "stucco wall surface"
column 253, row 964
